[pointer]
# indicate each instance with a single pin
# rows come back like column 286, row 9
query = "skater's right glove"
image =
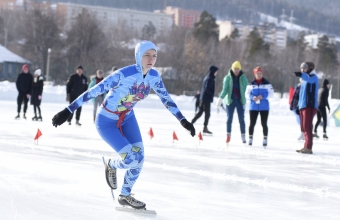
column 187, row 125
column 61, row 117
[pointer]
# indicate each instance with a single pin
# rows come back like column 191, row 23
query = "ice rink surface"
column 63, row 176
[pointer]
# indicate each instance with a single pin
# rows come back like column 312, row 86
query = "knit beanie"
column 37, row 72
column 236, row 64
column 24, row 66
column 304, row 65
column 258, row 69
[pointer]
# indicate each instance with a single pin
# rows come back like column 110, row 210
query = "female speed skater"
column 116, row 122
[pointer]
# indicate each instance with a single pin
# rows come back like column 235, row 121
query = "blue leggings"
column 130, row 148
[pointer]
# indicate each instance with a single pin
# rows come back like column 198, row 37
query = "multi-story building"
column 273, row 34
column 14, row 5
column 133, row 20
column 269, row 32
column 227, row 27
column 183, row 17
column 313, row 39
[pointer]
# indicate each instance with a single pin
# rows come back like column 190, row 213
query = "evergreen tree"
column 235, row 34
column 148, row 31
column 257, row 44
column 328, row 53
column 206, row 28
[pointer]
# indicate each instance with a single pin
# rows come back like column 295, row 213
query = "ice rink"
column 63, row 176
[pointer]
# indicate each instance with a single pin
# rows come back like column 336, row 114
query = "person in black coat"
column 76, row 85
column 23, row 84
column 323, row 94
column 206, row 98
column 36, row 94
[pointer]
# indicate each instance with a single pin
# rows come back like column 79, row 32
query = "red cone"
column 174, row 136
column 200, row 136
column 151, row 133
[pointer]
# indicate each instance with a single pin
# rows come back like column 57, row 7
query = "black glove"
column 187, row 125
column 201, row 104
column 61, row 117
column 297, row 111
column 298, row 74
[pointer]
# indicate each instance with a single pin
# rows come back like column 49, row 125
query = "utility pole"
column 48, row 64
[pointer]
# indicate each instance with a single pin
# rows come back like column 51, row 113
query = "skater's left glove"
column 61, row 117
column 187, row 125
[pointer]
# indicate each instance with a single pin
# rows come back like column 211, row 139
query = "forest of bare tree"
column 314, row 14
column 189, row 52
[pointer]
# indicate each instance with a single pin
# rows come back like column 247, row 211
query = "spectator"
column 24, row 85
column 234, row 87
column 258, row 91
column 36, row 95
column 76, row 85
column 322, row 104
column 99, row 99
column 308, row 104
column 295, row 109
column 206, row 98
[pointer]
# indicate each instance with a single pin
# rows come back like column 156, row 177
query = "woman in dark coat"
column 36, row 94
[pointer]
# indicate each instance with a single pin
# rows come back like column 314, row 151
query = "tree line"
column 189, row 52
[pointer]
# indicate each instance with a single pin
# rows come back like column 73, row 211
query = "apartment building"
column 132, row 19
column 182, row 17
column 268, row 31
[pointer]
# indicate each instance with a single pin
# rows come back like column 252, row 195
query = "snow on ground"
column 63, row 176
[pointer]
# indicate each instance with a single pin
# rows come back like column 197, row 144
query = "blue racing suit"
column 115, row 120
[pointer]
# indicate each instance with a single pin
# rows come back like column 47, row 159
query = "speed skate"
column 128, row 208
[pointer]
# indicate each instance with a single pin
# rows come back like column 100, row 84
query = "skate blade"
column 206, row 134
column 112, row 194
column 129, row 209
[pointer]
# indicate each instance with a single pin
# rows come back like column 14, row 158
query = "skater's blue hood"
column 140, row 49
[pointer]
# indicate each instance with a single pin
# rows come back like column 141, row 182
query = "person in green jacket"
column 233, row 93
column 99, row 99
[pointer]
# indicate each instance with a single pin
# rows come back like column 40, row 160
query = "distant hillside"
column 314, row 14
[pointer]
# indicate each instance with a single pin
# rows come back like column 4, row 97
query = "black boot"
column 24, row 116
column 325, row 137
column 39, row 118
column 18, row 116
column 206, row 131
column 35, row 118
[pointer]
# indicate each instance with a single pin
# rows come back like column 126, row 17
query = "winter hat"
column 24, row 66
column 325, row 82
column 258, row 69
column 213, row 69
column 304, row 65
column 310, row 67
column 79, row 67
column 37, row 72
column 236, row 64
column 114, row 68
